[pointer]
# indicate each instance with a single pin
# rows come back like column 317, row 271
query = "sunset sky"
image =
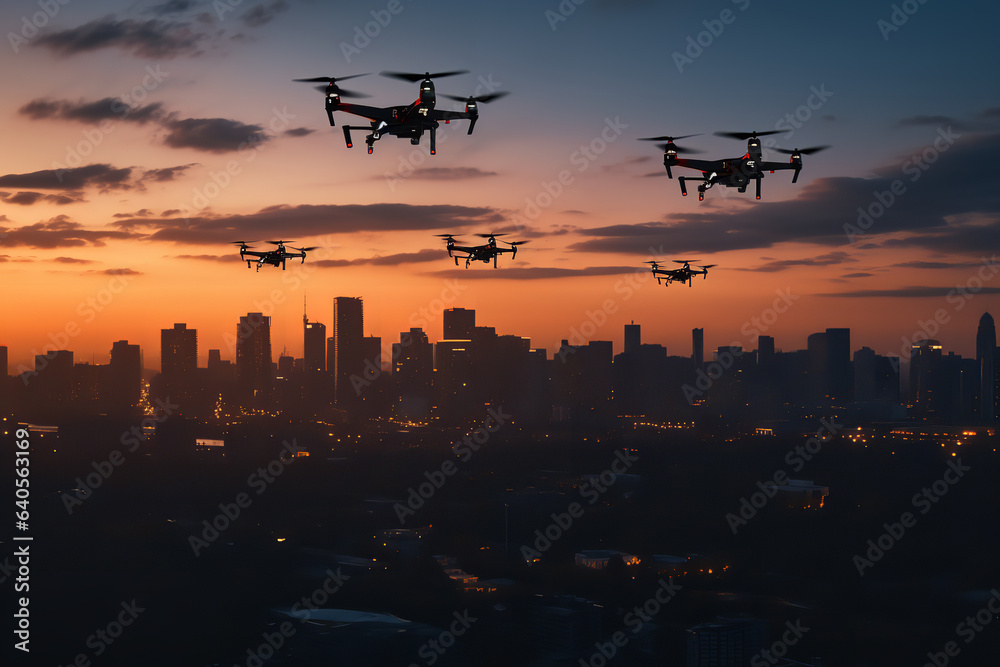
column 142, row 137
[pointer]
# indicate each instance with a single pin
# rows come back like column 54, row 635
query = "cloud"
column 930, row 120
column 165, row 174
column 859, row 274
column 426, row 255
column 155, row 38
column 264, row 13
column 538, row 273
column 830, row 258
column 72, row 260
column 916, row 264
column 450, row 173
column 58, row 232
column 913, row 291
column 108, row 108
column 103, row 176
column 298, row 132
column 29, row 198
column 173, row 6
column 213, row 135
column 957, row 184
column 308, row 220
column 210, row 258
column 121, row 272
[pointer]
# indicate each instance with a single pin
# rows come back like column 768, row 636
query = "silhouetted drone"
column 408, row 121
column 273, row 257
column 681, row 275
column 481, row 253
column 734, row 172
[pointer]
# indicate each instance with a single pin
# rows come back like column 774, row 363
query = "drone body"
column 274, row 257
column 735, row 172
column 480, row 253
column 684, row 274
column 408, row 121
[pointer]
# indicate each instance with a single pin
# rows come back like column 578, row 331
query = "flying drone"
column 480, row 253
column 408, row 121
column 274, row 257
column 684, row 274
column 734, row 172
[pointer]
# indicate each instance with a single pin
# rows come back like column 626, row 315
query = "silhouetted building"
column 698, row 345
column 986, row 346
column 348, row 357
column 314, row 345
column 633, row 337
column 927, row 381
column 178, row 361
column 125, row 377
column 839, row 372
column 876, row 378
column 412, row 373
column 458, row 323
column 765, row 351
column 253, row 355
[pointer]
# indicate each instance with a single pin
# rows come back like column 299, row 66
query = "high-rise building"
column 348, row 353
column 765, row 350
column 698, row 345
column 458, row 323
column 179, row 360
column 125, row 377
column 253, row 355
column 839, row 372
column 986, row 346
column 3, row 363
column 314, row 345
column 927, row 381
column 633, row 337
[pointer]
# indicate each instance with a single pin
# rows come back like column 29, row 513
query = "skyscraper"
column 839, row 371
column 313, row 347
column 178, row 360
column 458, row 323
column 633, row 337
column 125, row 377
column 253, row 355
column 986, row 344
column 348, row 355
column 698, row 346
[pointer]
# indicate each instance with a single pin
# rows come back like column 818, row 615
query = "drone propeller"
column 708, row 266
column 486, row 236
column 242, row 242
column 803, row 151
column 747, row 135
column 332, row 80
column 448, row 237
column 684, row 261
column 304, row 249
column 677, row 149
column 515, row 243
column 280, row 242
column 414, row 77
column 485, row 99
column 670, row 139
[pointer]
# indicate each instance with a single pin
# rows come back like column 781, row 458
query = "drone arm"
column 796, row 176
column 347, row 133
column 759, row 179
column 433, row 132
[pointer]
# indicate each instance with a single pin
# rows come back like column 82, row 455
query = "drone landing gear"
column 433, row 140
column 758, row 188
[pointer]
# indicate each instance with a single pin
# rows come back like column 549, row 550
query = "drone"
column 408, row 121
column 273, row 257
column 685, row 274
column 480, row 253
column 734, row 172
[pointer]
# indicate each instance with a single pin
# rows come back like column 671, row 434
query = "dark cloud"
column 298, row 132
column 859, row 274
column 915, row 292
column 103, row 176
column 109, row 108
column 29, row 198
column 426, row 255
column 155, row 38
column 310, row 220
column 830, row 258
column 141, row 213
column 121, row 272
column 926, row 120
column 264, row 13
column 72, row 260
column 538, row 273
column 450, row 173
column 214, row 135
column 916, row 264
column 59, row 232
column 166, row 174
column 173, row 6
column 958, row 183
column 211, row 258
